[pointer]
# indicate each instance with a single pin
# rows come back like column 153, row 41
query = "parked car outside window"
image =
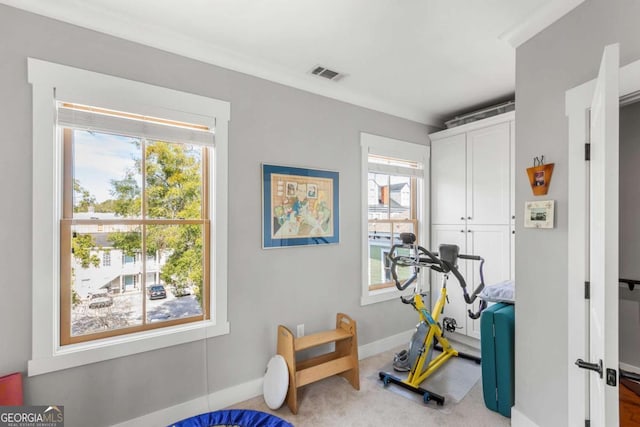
column 157, row 292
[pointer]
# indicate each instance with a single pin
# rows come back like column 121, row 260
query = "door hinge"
column 587, row 290
column 587, row 151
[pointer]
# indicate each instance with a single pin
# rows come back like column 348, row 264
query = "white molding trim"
column 630, row 368
column 384, row 344
column 395, row 148
column 162, row 38
column 538, row 21
column 241, row 392
column 518, row 419
column 479, row 124
column 53, row 82
column 213, row 402
column 577, row 103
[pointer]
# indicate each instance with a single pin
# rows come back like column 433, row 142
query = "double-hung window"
column 135, row 186
column 395, row 197
column 129, row 216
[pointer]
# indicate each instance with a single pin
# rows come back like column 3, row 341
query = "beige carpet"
column 333, row 402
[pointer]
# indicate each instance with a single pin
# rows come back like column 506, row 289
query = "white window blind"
column 394, row 166
column 131, row 125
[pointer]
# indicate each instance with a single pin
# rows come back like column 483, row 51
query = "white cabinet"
column 513, row 199
column 491, row 242
column 488, row 161
column 472, row 174
column 449, row 180
column 453, row 235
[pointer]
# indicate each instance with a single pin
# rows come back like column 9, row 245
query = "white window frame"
column 53, row 81
column 375, row 144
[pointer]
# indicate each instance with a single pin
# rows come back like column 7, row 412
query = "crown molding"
column 538, row 21
column 93, row 18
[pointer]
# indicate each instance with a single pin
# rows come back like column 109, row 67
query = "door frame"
column 577, row 104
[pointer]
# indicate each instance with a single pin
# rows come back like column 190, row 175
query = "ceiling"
column 424, row 60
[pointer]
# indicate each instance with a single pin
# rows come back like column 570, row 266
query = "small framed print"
column 539, row 214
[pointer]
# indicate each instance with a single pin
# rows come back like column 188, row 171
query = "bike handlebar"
column 433, row 262
column 407, row 261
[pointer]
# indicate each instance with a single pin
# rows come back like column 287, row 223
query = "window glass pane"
column 106, row 256
column 403, row 273
column 173, row 180
column 104, row 297
column 176, row 290
column 379, row 246
column 400, row 197
column 378, row 196
column 403, row 227
column 106, row 176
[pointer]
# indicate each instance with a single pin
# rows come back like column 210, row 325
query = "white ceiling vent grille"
column 326, row 73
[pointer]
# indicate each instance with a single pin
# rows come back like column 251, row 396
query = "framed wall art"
column 299, row 206
column 539, row 214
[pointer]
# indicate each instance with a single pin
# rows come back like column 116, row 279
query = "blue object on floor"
column 233, row 417
column 497, row 346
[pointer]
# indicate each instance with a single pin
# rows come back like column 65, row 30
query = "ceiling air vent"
column 321, row 71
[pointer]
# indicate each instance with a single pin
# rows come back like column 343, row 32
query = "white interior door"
column 603, row 243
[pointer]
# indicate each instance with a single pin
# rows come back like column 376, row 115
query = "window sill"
column 83, row 354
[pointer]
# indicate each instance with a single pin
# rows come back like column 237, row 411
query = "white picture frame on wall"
column 539, row 214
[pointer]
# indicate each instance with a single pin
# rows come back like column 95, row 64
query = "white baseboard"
column 518, row 419
column 215, row 401
column 388, row 343
column 630, row 368
column 241, row 392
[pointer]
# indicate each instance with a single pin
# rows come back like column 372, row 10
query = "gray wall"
column 563, row 56
column 629, row 309
column 270, row 123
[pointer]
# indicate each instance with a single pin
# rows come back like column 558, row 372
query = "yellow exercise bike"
column 429, row 332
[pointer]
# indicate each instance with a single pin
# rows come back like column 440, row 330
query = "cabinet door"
column 513, row 252
column 456, row 308
column 488, row 175
column 491, row 242
column 512, row 167
column 448, row 180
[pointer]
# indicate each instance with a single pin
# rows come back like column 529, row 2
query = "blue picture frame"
column 300, row 206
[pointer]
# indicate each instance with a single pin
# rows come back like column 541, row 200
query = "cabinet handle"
column 513, row 232
column 462, row 218
column 513, row 217
column 468, row 231
column 462, row 231
column 468, row 217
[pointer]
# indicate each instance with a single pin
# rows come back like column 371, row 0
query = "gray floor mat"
column 453, row 380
